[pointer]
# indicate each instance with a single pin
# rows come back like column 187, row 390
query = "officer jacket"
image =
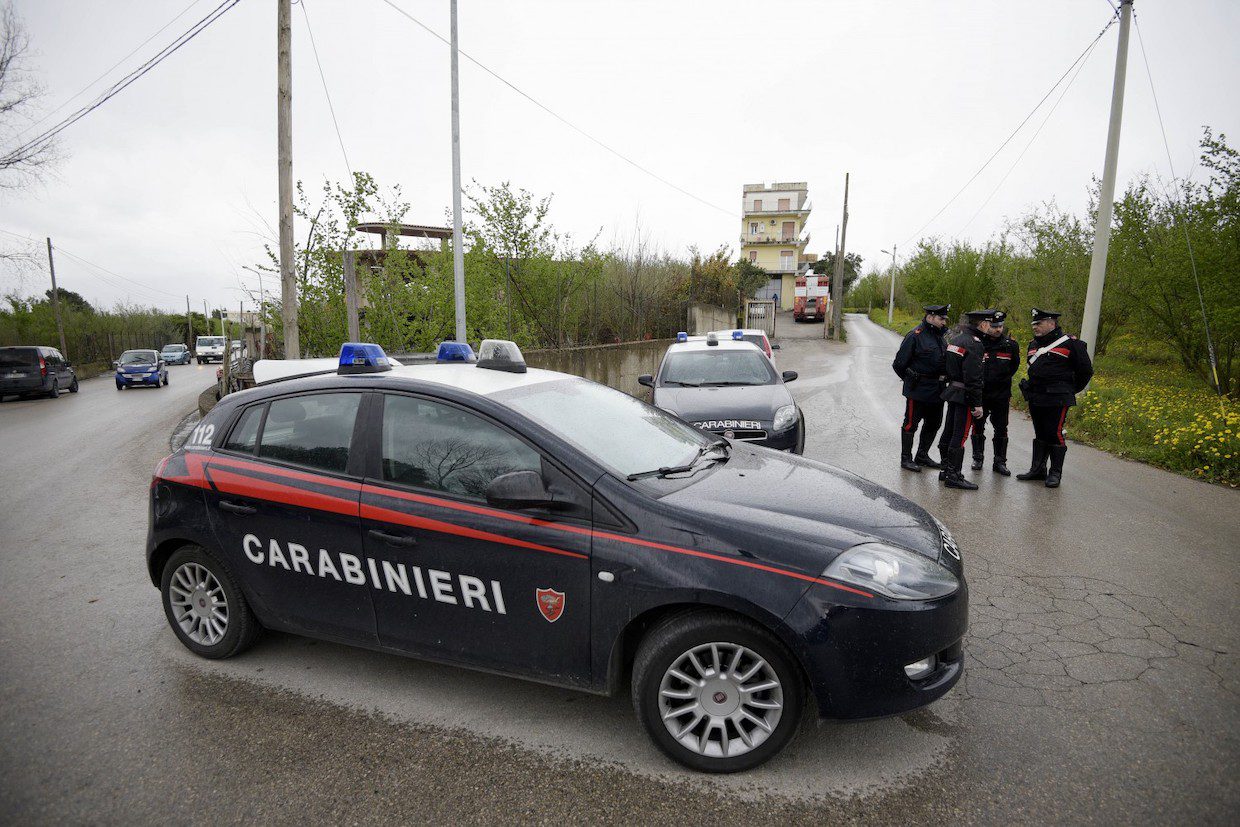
column 1059, row 374
column 1000, row 362
column 964, row 368
column 920, row 363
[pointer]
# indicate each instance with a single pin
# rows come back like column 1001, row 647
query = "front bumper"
column 137, row 378
column 854, row 650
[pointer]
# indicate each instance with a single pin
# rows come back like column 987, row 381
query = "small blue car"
column 140, row 367
column 175, row 355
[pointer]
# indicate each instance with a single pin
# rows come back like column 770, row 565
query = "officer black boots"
column 1037, row 468
column 906, row 452
column 979, row 451
column 1000, row 463
column 1057, row 452
column 951, row 476
column 923, row 456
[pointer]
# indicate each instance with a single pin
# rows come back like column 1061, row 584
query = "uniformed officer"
column 1059, row 369
column 920, row 363
column 963, row 396
column 1000, row 362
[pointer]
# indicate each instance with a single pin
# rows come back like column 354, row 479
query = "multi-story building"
column 773, row 234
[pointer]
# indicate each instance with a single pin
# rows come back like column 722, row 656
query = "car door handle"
column 401, row 540
column 237, row 508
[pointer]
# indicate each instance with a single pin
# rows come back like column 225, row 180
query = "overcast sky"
column 173, row 182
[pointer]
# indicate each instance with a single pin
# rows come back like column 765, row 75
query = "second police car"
column 544, row 526
column 730, row 387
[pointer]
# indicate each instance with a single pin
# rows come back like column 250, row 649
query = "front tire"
column 204, row 606
column 74, row 387
column 716, row 692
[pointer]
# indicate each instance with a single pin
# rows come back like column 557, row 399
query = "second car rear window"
column 314, row 431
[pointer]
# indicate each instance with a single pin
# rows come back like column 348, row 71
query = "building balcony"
column 804, row 210
column 764, row 238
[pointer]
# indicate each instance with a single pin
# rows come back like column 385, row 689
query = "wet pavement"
column 1101, row 681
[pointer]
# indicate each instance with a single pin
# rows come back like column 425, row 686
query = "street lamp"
column 891, row 300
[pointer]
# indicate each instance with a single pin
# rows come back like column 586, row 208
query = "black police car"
column 728, row 387
column 545, row 526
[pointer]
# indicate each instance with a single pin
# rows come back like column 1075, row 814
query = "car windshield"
column 621, row 432
column 697, row 368
column 138, row 357
column 18, row 357
column 173, row 348
column 210, row 341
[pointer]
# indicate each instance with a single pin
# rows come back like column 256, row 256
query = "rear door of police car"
column 461, row 580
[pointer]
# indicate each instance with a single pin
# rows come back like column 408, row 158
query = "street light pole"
column 1106, row 195
column 458, row 255
column 891, row 299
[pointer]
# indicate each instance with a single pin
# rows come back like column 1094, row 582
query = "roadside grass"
column 1144, row 405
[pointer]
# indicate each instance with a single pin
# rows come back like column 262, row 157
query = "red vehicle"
column 811, row 298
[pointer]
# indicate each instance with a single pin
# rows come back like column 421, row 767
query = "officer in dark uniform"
column 1000, row 362
column 1059, row 369
column 963, row 396
column 920, row 363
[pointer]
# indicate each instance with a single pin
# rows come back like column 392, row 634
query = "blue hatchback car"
column 140, row 367
column 175, row 355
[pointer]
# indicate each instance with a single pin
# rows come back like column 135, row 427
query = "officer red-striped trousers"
column 959, row 425
column 929, row 414
column 1048, row 422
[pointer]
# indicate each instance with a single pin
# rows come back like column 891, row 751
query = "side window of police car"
column 443, row 448
column 244, row 435
column 312, row 431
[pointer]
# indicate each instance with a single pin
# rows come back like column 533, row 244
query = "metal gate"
column 760, row 315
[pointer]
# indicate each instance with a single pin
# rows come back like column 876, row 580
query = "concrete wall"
column 706, row 317
column 616, row 366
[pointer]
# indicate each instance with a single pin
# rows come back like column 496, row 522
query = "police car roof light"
column 737, row 335
column 682, row 336
column 362, row 357
column 500, row 354
column 712, row 339
column 455, row 352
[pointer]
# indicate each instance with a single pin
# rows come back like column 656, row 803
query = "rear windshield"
column 210, row 341
column 173, row 348
column 139, row 357
column 18, row 357
column 697, row 368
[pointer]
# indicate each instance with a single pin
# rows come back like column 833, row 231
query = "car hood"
column 753, row 402
column 811, row 509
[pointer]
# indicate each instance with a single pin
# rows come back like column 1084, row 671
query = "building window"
column 757, row 205
column 753, row 227
column 753, row 255
column 785, row 204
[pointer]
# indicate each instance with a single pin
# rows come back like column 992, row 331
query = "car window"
column 443, row 448
column 18, row 357
column 717, row 367
column 619, row 431
column 139, row 357
column 313, row 430
column 245, row 434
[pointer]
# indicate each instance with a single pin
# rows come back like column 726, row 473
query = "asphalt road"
column 1101, row 683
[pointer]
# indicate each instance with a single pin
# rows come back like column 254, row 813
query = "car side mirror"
column 774, row 346
column 646, row 379
column 790, row 375
column 116, row 365
column 519, row 489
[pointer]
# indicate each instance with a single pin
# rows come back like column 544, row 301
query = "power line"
column 1036, row 133
column 561, row 118
column 323, row 77
column 1192, row 258
column 109, row 69
column 116, row 88
column 1009, row 138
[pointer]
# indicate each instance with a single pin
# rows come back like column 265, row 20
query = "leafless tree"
column 20, row 160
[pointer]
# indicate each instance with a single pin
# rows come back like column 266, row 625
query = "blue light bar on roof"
column 362, row 357
column 737, row 335
column 455, row 352
column 682, row 336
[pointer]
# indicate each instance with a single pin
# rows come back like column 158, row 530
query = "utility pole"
column 189, row 324
column 350, row 296
column 1106, row 197
column 60, row 325
column 262, row 317
column 837, row 278
column 891, row 300
column 284, row 167
column 458, row 255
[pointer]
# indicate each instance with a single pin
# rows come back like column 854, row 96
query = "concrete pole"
column 1106, row 198
column 262, row 317
column 284, row 166
column 891, row 300
column 350, row 295
column 837, row 278
column 458, row 254
column 60, row 325
column 189, row 324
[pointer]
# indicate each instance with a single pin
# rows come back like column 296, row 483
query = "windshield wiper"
column 729, row 384
column 682, row 384
column 678, row 469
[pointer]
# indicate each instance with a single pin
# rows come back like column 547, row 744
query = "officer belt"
column 959, row 385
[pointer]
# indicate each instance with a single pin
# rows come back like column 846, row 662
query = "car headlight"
column 891, row 571
column 784, row 417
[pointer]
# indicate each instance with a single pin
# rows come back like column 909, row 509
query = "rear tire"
column 718, row 721
column 204, row 606
column 55, row 391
